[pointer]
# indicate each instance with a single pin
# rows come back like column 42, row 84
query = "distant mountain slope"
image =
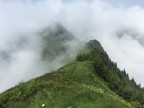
column 87, row 82
column 55, row 41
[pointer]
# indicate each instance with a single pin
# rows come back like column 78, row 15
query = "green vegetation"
column 90, row 81
column 118, row 81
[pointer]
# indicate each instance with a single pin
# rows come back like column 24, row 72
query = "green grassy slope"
column 73, row 86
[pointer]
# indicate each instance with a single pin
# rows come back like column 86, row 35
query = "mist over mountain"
column 56, row 41
column 44, row 51
column 117, row 25
column 71, row 54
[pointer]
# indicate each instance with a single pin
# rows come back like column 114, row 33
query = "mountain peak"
column 94, row 44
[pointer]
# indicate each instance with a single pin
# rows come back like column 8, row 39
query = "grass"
column 72, row 86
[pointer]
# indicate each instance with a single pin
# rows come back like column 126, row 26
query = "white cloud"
column 119, row 29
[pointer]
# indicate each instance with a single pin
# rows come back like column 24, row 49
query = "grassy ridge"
column 73, row 86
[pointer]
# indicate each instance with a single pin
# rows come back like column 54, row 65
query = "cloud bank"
column 118, row 28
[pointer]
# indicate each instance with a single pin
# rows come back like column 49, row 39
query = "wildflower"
column 43, row 105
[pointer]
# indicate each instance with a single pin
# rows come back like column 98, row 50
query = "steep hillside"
column 83, row 83
column 117, row 80
column 73, row 86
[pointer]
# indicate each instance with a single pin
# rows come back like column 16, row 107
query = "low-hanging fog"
column 119, row 28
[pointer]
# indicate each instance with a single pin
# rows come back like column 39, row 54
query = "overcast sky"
column 117, row 24
column 126, row 2
column 116, row 2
